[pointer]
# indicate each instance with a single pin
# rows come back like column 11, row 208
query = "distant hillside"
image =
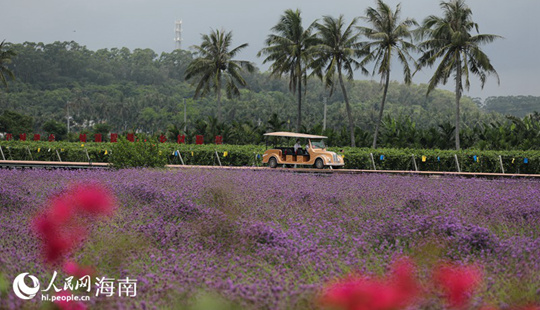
column 519, row 106
column 141, row 90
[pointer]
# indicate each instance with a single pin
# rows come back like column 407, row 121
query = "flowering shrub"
column 155, row 154
column 272, row 240
column 457, row 282
column 137, row 154
column 396, row 291
column 401, row 289
column 62, row 227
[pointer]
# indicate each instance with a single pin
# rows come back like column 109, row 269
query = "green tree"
column 336, row 54
column 275, row 124
column 102, row 129
column 288, row 50
column 449, row 38
column 13, row 122
column 215, row 66
column 174, row 64
column 5, row 59
column 59, row 130
column 387, row 36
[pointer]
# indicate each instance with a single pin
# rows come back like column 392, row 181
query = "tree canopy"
column 288, row 49
column 5, row 58
column 141, row 91
column 215, row 68
column 450, row 39
column 388, row 37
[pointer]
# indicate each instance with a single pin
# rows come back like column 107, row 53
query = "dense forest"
column 519, row 106
column 120, row 90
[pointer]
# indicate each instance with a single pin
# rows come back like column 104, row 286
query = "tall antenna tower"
column 178, row 34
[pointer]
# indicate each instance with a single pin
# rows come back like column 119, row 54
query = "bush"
column 47, row 151
column 155, row 154
column 127, row 154
column 59, row 130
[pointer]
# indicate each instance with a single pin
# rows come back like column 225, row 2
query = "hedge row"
column 229, row 155
column 525, row 162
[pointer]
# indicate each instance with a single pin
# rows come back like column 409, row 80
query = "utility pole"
column 324, row 121
column 67, row 115
column 185, row 116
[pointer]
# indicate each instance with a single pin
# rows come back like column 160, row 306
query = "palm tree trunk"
column 219, row 99
column 299, row 122
column 381, row 110
column 458, row 98
column 348, row 106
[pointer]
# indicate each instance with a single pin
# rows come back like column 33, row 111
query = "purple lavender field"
column 271, row 240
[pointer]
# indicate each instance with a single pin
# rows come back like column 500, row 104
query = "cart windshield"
column 318, row 144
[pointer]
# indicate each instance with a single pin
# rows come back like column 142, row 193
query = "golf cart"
column 314, row 153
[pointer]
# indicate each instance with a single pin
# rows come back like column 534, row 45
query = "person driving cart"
column 298, row 147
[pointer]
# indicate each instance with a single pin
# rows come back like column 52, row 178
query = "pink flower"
column 76, row 270
column 55, row 243
column 55, row 248
column 403, row 279
column 62, row 226
column 44, row 226
column 457, row 282
column 61, row 210
column 93, row 199
column 397, row 291
column 529, row 307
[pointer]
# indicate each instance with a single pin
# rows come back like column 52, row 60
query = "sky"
column 150, row 24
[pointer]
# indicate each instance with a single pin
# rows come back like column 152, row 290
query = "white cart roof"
column 293, row 135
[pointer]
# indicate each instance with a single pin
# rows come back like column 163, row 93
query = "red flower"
column 55, row 244
column 93, row 199
column 44, row 226
column 529, row 307
column 362, row 293
column 61, row 211
column 61, row 226
column 404, row 281
column 74, row 269
column 57, row 247
column 457, row 282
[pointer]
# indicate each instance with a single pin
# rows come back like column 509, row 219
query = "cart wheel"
column 272, row 162
column 319, row 164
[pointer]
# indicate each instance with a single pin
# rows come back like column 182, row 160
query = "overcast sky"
column 150, row 24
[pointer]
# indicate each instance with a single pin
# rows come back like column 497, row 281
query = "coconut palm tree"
column 274, row 123
column 214, row 68
column 287, row 48
column 335, row 55
column 449, row 39
column 5, row 58
column 388, row 36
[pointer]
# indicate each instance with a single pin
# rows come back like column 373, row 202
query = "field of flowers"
column 195, row 239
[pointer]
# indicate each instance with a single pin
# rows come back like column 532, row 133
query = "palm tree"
column 274, row 123
column 336, row 54
column 449, row 38
column 287, row 49
column 388, row 36
column 215, row 67
column 5, row 58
